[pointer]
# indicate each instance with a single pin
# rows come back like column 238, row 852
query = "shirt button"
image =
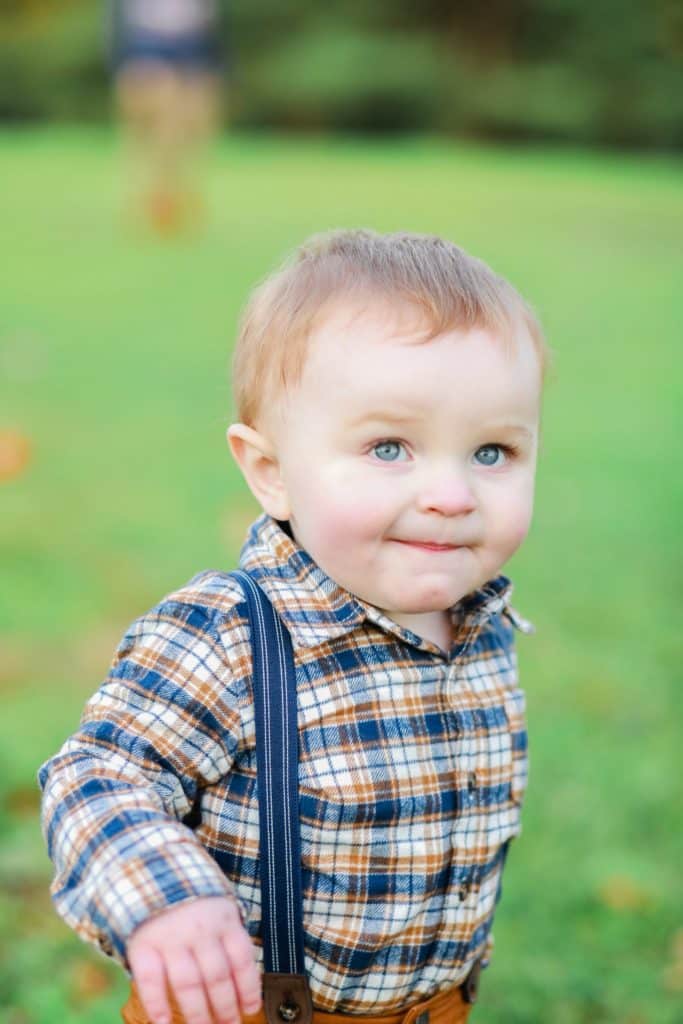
column 471, row 782
column 463, row 892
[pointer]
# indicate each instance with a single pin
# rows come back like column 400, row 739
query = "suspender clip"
column 470, row 986
column 287, row 998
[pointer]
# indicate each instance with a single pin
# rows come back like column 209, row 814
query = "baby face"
column 408, row 466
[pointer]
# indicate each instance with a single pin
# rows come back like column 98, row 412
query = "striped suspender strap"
column 286, row 994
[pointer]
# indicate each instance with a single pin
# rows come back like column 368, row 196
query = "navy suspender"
column 285, row 986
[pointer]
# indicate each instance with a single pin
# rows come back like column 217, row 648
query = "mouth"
column 427, row 545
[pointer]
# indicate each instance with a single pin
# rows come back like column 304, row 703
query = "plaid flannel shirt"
column 412, row 767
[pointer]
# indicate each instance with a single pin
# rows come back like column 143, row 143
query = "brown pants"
column 444, row 1008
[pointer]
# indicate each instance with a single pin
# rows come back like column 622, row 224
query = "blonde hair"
column 450, row 289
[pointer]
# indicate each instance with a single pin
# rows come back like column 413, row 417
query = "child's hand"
column 204, row 955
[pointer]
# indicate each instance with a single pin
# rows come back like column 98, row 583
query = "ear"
column 257, row 459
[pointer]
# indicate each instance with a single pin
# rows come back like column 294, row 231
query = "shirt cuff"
column 175, row 871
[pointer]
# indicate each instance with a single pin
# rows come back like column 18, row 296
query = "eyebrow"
column 386, row 416
column 513, row 428
column 389, row 416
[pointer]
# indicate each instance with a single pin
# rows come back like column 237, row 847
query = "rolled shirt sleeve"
column 165, row 723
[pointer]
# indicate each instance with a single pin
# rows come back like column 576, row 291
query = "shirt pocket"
column 376, row 806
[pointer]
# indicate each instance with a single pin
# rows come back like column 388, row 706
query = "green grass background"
column 114, row 350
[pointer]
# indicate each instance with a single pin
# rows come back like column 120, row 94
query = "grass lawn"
column 114, row 364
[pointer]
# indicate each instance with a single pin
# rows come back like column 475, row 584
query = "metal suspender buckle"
column 287, row 998
column 470, row 986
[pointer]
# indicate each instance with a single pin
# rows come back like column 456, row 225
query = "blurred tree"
column 51, row 60
column 607, row 73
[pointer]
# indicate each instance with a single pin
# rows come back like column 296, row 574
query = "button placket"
column 473, row 743
column 477, row 771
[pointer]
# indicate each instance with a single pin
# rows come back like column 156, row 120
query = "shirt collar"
column 315, row 609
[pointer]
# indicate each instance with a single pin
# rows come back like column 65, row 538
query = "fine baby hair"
column 446, row 286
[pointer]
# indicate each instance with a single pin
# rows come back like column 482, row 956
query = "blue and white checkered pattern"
column 412, row 767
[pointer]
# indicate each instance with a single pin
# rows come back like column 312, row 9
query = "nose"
column 447, row 494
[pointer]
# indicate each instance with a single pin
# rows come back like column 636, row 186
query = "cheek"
column 518, row 532
column 349, row 521
column 349, row 518
column 517, row 522
column 338, row 510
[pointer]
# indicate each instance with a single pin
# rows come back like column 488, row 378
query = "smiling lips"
column 429, row 545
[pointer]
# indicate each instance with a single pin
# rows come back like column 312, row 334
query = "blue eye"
column 490, row 454
column 388, row 451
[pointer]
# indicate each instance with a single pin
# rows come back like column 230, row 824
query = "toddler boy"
column 388, row 391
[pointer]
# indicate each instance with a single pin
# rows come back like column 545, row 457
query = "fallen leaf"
column 15, row 454
column 620, row 892
column 88, row 981
column 23, row 800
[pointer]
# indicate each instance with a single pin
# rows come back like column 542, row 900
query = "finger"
column 149, row 975
column 217, row 974
column 245, row 972
column 186, row 982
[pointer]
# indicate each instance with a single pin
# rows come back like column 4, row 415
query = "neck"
column 434, row 626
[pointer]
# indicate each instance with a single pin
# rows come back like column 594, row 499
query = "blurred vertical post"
column 167, row 66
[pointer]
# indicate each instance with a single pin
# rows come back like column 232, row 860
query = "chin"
column 433, row 601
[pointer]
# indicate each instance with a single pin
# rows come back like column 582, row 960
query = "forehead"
column 380, row 359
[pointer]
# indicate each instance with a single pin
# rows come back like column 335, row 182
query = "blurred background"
column 604, row 73
column 159, row 158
